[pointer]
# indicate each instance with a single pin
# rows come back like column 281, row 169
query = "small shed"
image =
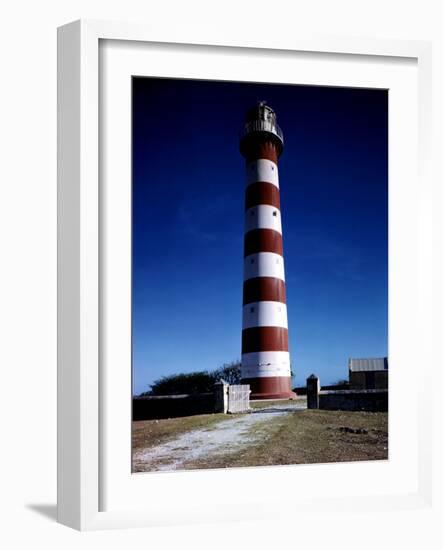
column 368, row 374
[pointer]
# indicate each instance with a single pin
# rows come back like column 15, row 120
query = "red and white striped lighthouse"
column 265, row 355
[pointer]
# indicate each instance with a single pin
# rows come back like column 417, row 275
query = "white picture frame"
column 82, row 439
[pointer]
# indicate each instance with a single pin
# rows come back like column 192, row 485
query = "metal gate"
column 238, row 398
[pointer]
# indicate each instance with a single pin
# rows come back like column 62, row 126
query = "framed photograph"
column 242, row 262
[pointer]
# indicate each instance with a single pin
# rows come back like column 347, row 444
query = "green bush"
column 195, row 382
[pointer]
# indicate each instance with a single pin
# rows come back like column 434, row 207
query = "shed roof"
column 370, row 364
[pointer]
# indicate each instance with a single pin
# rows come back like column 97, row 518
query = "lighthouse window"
column 252, row 260
column 272, row 168
column 252, row 310
column 252, row 212
column 274, row 213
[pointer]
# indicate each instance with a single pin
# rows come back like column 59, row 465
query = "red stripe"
column 270, row 387
column 264, row 339
column 263, row 240
column 262, row 192
column 261, row 148
column 264, row 289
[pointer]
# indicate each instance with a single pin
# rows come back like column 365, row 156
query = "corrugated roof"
column 371, row 364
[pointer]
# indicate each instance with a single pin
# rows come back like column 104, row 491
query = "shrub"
column 195, row 382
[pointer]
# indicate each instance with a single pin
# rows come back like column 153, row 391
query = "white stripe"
column 265, row 314
column 264, row 264
column 266, row 363
column 263, row 216
column 262, row 170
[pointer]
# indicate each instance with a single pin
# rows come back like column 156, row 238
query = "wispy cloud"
column 209, row 218
column 328, row 254
column 350, row 268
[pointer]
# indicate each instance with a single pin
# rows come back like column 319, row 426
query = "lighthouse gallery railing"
column 262, row 126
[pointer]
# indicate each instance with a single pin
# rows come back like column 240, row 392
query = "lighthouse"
column 266, row 365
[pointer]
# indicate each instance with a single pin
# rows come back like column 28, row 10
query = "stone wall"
column 354, row 400
column 301, row 390
column 345, row 400
column 172, row 406
column 225, row 398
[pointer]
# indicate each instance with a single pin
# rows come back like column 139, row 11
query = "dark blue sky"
column 188, row 191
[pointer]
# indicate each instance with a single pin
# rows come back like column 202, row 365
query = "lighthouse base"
column 275, row 387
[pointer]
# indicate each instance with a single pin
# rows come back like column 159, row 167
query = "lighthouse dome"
column 263, row 112
column 261, row 123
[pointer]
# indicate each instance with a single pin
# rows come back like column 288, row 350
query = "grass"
column 149, row 433
column 312, row 436
column 301, row 437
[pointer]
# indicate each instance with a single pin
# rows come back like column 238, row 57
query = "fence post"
column 221, row 397
column 312, row 391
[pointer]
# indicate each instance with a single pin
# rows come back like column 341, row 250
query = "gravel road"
column 227, row 436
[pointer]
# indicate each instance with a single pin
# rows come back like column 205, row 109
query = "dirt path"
column 226, row 437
